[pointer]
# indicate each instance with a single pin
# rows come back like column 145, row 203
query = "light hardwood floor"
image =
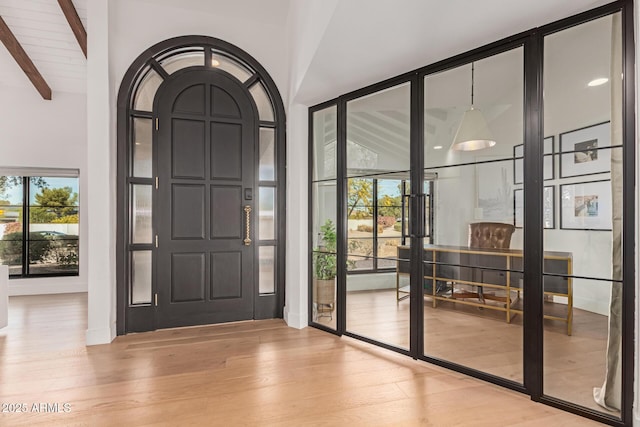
column 246, row 373
column 481, row 339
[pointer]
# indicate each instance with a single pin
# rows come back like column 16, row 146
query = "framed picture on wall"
column 584, row 151
column 494, row 197
column 548, row 210
column 586, row 206
column 549, row 161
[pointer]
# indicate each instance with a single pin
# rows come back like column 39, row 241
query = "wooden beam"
column 23, row 60
column 74, row 22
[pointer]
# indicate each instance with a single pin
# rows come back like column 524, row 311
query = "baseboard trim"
column 100, row 336
column 293, row 320
column 44, row 287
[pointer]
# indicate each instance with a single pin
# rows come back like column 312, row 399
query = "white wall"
column 306, row 26
column 136, row 25
column 47, row 134
column 101, row 180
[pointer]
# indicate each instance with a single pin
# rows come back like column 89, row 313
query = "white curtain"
column 610, row 394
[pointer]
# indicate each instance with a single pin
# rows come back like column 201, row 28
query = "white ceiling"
column 368, row 41
column 379, row 123
column 45, row 35
column 266, row 11
column 364, row 42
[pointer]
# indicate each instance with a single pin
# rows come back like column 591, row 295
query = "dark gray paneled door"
column 206, row 175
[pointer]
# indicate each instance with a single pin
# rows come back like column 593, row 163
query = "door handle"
column 416, row 229
column 247, row 214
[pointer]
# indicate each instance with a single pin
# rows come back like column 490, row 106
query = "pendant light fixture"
column 473, row 132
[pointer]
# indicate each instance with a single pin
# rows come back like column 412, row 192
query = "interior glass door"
column 377, row 221
column 473, row 259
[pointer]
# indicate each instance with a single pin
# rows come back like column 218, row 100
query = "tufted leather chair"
column 486, row 235
column 492, row 235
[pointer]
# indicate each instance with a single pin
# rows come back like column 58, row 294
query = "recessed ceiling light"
column 437, row 147
column 597, row 82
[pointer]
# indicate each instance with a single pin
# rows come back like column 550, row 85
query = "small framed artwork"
column 548, row 210
column 586, row 206
column 549, row 161
column 584, row 151
column 493, row 189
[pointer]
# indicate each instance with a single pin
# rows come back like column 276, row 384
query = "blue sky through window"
column 14, row 192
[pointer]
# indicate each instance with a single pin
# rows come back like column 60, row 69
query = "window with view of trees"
column 39, row 225
column 373, row 244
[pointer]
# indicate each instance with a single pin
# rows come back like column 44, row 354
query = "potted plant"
column 324, row 271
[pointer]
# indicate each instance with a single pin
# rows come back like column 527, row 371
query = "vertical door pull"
column 415, row 228
column 247, row 213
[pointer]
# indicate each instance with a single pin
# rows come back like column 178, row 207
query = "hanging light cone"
column 473, row 132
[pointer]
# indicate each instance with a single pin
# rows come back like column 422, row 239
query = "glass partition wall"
column 473, row 270
column 513, row 261
column 583, row 108
column 323, row 218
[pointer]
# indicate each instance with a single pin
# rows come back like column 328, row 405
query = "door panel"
column 191, row 100
column 188, row 211
column 223, row 104
column 227, row 275
column 226, row 151
column 187, row 277
column 188, row 149
column 206, row 166
column 225, row 222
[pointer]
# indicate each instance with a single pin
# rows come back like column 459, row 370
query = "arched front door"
column 201, row 185
column 206, row 139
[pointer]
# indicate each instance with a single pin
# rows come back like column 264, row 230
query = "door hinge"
column 157, row 123
column 156, row 299
column 156, row 240
column 156, row 182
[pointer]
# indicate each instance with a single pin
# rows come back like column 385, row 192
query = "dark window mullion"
column 375, row 224
column 25, row 226
column 533, row 339
column 141, row 114
column 140, row 181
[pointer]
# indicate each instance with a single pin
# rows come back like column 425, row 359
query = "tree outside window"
column 51, row 241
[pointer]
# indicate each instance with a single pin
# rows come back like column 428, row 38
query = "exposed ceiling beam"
column 23, row 60
column 75, row 23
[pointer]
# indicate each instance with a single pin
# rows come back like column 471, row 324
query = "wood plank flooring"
column 481, row 339
column 246, row 373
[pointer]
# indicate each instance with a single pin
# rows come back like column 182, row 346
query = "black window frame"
column 26, row 222
column 405, row 235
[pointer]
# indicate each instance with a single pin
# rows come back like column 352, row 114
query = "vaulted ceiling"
column 44, row 30
column 390, row 38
